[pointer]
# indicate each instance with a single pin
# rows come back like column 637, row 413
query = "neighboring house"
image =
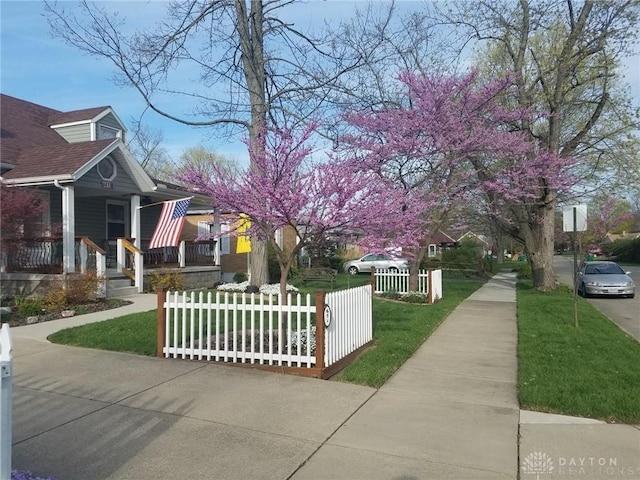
column 482, row 241
column 96, row 191
column 440, row 242
column 201, row 222
column 612, row 237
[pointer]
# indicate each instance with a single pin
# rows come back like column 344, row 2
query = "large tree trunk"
column 538, row 240
column 414, row 268
column 250, row 31
column 259, row 268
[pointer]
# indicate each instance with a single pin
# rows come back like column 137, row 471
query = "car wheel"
column 352, row 270
column 584, row 291
column 393, row 269
column 633, row 295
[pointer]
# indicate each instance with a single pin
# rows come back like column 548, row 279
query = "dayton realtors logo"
column 540, row 464
column 537, row 463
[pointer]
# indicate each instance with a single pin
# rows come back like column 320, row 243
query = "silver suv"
column 377, row 260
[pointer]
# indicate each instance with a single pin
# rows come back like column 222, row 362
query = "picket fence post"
column 161, row 315
column 320, row 295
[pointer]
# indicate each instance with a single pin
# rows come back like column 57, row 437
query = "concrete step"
column 119, row 282
column 120, row 292
column 120, row 286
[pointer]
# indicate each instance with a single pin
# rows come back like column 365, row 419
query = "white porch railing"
column 6, row 388
column 429, row 282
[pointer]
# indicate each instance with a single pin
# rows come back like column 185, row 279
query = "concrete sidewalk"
column 450, row 412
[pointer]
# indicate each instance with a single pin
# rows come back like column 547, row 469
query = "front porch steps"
column 119, row 286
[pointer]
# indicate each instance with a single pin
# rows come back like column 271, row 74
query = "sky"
column 43, row 70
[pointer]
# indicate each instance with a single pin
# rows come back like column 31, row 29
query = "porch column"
column 135, row 220
column 68, row 229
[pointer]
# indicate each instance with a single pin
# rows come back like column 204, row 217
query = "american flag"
column 170, row 223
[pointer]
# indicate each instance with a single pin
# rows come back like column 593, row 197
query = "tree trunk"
column 259, row 266
column 250, row 31
column 414, row 269
column 539, row 249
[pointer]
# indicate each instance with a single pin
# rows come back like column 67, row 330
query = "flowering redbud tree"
column 605, row 215
column 452, row 143
column 284, row 187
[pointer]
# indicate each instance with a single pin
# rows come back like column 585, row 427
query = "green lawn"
column 133, row 333
column 592, row 371
column 399, row 329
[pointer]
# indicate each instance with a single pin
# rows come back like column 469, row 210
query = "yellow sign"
column 243, row 242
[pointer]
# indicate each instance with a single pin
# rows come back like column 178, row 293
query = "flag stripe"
column 170, row 223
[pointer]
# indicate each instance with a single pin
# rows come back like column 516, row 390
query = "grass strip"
column 399, row 329
column 133, row 333
column 590, row 371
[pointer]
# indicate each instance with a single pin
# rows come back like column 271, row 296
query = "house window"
column 432, row 250
column 225, row 240
column 107, row 169
column 39, row 226
column 107, row 132
column 116, row 220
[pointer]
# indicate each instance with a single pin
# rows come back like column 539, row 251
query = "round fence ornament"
column 327, row 315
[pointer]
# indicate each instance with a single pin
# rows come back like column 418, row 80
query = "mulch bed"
column 14, row 319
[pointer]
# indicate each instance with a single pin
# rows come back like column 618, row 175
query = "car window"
column 604, row 269
column 369, row 258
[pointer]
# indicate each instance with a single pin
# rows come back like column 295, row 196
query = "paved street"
column 625, row 312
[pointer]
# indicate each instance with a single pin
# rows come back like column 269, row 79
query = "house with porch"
column 102, row 205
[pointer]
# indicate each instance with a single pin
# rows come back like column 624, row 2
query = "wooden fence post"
column 162, row 334
column 373, row 280
column 430, row 286
column 320, row 330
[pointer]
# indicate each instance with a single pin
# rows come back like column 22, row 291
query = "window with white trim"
column 104, row 131
column 225, row 240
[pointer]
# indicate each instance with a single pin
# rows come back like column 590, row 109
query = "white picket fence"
column 429, row 282
column 239, row 327
column 350, row 324
column 263, row 330
column 6, row 388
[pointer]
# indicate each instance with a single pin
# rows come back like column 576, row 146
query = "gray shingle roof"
column 28, row 142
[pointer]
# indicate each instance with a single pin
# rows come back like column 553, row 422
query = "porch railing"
column 31, row 255
column 129, row 262
column 188, row 253
column 44, row 255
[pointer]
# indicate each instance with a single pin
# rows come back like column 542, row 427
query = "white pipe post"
column 6, row 391
column 135, row 221
column 68, row 229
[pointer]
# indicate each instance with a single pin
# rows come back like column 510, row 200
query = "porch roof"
column 33, row 153
column 55, row 160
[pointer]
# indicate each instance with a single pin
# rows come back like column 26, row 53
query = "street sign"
column 574, row 215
